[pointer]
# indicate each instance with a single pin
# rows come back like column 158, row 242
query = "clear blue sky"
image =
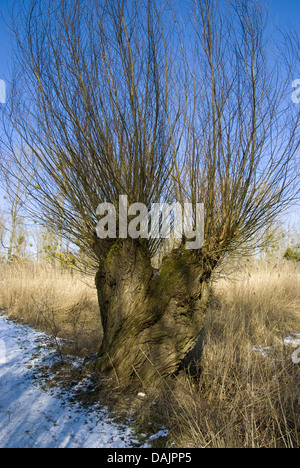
column 282, row 13
column 5, row 43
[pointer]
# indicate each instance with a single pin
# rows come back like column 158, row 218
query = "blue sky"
column 5, row 52
column 282, row 14
column 285, row 11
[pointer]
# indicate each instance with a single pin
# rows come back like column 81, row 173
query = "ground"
column 34, row 417
column 246, row 392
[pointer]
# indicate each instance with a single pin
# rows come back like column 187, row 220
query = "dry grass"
column 244, row 395
column 58, row 302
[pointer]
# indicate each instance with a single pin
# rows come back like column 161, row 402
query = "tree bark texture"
column 150, row 320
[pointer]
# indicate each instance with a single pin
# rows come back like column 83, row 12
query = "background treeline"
column 21, row 239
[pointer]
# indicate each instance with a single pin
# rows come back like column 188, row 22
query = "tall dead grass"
column 59, row 302
column 248, row 392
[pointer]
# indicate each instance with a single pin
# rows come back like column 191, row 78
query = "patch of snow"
column 158, row 435
column 293, row 341
column 31, row 417
column 261, row 350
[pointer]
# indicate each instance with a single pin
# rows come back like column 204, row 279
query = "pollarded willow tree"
column 136, row 98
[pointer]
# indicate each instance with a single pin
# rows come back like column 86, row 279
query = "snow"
column 261, row 350
column 31, row 417
column 160, row 434
column 292, row 341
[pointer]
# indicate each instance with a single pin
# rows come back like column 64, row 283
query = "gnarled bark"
column 150, row 321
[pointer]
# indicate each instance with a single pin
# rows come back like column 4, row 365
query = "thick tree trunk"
column 150, row 321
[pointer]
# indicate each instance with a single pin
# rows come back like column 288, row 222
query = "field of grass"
column 247, row 389
column 56, row 301
column 248, row 393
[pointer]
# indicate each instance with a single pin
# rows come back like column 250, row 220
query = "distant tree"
column 15, row 189
column 275, row 242
column 292, row 254
column 2, row 231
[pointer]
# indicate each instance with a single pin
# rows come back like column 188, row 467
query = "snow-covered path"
column 33, row 418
